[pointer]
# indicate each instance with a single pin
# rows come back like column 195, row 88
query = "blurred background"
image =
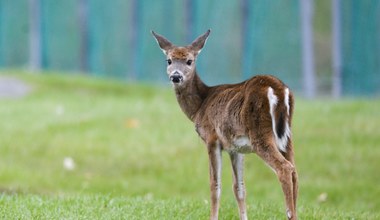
column 90, row 127
column 319, row 48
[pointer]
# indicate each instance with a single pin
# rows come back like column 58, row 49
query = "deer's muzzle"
column 176, row 77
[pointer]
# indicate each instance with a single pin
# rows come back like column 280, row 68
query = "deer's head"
column 181, row 60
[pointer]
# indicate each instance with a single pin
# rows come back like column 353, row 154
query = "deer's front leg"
column 237, row 162
column 215, row 164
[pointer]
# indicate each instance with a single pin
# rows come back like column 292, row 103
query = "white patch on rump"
column 273, row 100
column 286, row 100
column 272, row 104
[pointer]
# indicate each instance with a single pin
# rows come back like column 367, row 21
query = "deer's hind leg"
column 284, row 170
column 237, row 162
column 289, row 155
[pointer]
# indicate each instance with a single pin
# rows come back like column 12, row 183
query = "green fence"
column 112, row 39
column 361, row 47
column 248, row 36
column 13, row 33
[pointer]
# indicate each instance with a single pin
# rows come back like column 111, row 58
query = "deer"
column 253, row 116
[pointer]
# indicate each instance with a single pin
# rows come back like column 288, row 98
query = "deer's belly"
column 240, row 144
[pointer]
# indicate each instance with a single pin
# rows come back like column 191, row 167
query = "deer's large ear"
column 164, row 43
column 198, row 43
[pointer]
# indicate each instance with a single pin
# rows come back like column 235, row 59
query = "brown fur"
column 179, row 53
column 224, row 113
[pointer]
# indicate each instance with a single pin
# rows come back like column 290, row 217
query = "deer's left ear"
column 164, row 43
column 198, row 43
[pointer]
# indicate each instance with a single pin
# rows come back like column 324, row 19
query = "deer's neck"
column 191, row 95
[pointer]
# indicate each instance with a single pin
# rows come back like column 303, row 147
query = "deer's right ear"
column 164, row 43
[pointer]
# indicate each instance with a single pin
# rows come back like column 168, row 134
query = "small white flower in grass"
column 148, row 196
column 68, row 163
column 59, row 110
column 322, row 197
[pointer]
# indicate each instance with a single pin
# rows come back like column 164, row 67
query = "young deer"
column 249, row 117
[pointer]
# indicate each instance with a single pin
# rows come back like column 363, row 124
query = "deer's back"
column 239, row 112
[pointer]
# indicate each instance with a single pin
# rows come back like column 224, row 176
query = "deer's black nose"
column 176, row 78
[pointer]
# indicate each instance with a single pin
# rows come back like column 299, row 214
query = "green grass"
column 138, row 157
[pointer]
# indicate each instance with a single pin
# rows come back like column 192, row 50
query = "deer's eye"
column 169, row 61
column 189, row 62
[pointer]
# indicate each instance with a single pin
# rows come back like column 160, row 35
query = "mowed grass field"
column 132, row 154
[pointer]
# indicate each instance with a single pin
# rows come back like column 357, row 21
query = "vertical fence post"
column 83, row 30
column 2, row 31
column 135, row 39
column 308, row 66
column 34, row 35
column 246, row 39
column 336, row 50
column 189, row 11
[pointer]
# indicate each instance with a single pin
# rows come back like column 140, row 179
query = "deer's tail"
column 280, row 111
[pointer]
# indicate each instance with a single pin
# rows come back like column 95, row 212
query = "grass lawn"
column 132, row 154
